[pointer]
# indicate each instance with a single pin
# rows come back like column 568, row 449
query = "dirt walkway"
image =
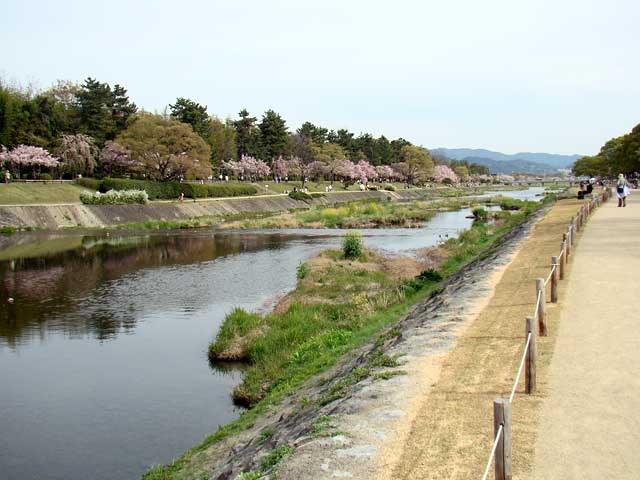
column 589, row 427
column 451, row 434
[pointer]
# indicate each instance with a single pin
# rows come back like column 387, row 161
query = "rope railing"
column 502, row 416
column 524, row 357
column 493, row 452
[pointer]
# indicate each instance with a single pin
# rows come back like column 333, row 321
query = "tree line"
column 618, row 155
column 94, row 128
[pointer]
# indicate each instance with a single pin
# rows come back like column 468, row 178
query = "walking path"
column 590, row 423
column 451, row 433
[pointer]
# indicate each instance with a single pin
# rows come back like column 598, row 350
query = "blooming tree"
column 348, row 171
column 385, row 172
column 78, row 153
column 318, row 169
column 366, row 171
column 299, row 168
column 280, row 168
column 114, row 157
column 252, row 167
column 25, row 156
column 443, row 171
column 233, row 167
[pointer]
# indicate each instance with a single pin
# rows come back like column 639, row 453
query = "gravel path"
column 589, row 425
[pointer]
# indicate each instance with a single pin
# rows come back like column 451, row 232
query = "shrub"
column 115, row 197
column 90, row 183
column 447, row 181
column 352, row 245
column 388, row 187
column 511, row 204
column 300, row 196
column 8, row 230
column 302, row 270
column 480, row 214
column 45, row 176
column 172, row 190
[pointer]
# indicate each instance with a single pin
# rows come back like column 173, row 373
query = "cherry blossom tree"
column 385, row 172
column 348, row 171
column 318, row 169
column 280, row 168
column 443, row 171
column 115, row 158
column 78, row 153
column 27, row 156
column 232, row 167
column 299, row 168
column 366, row 171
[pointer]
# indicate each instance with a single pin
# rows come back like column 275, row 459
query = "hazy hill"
column 513, row 166
column 550, row 159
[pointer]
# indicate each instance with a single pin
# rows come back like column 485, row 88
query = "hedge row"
column 115, row 197
column 169, row 190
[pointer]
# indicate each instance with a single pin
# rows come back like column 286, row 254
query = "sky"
column 559, row 76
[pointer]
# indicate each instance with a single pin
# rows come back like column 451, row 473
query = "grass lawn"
column 30, row 193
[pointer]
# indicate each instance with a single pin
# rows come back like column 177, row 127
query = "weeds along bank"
column 345, row 307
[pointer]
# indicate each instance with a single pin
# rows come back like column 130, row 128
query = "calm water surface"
column 103, row 367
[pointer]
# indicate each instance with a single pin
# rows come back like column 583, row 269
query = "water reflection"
column 103, row 352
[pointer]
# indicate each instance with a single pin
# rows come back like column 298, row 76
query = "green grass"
column 30, row 193
column 277, row 188
column 306, row 340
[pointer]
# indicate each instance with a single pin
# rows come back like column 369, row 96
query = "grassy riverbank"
column 338, row 306
column 39, row 193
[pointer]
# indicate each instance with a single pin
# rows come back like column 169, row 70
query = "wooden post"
column 530, row 358
column 542, row 307
column 555, row 264
column 502, row 416
column 572, row 230
column 569, row 240
column 563, row 257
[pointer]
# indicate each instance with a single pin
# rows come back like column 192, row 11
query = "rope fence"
column 501, row 450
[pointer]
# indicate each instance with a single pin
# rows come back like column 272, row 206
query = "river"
column 103, row 366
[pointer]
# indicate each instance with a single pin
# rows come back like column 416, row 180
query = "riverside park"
column 233, row 247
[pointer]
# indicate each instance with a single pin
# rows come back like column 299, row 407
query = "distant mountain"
column 551, row 159
column 513, row 166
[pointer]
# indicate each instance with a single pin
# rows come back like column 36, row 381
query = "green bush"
column 45, row 176
column 352, row 246
column 302, row 270
column 90, row 183
column 388, row 187
column 172, row 190
column 300, row 196
column 115, row 197
column 8, row 230
column 480, row 214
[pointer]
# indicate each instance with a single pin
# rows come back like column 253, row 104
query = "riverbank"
column 296, row 408
column 52, row 217
column 192, row 213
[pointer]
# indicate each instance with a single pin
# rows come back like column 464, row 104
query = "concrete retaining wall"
column 52, row 217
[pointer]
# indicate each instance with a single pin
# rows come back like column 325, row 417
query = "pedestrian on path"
column 622, row 190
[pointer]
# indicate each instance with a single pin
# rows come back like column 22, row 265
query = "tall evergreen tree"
column 273, row 136
column 188, row 111
column 247, row 134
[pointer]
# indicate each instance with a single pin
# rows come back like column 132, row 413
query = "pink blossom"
column 366, row 171
column 115, row 156
column 385, row 172
column 442, row 172
column 27, row 155
column 347, row 170
column 280, row 167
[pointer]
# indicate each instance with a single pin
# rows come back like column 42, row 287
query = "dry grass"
column 453, row 433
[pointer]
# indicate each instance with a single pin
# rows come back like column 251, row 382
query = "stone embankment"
column 53, row 217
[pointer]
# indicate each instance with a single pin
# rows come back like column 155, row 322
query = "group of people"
column 622, row 187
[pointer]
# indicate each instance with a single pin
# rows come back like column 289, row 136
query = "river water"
column 103, row 366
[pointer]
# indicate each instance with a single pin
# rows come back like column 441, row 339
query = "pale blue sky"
column 546, row 75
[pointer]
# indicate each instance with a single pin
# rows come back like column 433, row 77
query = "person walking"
column 622, row 190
